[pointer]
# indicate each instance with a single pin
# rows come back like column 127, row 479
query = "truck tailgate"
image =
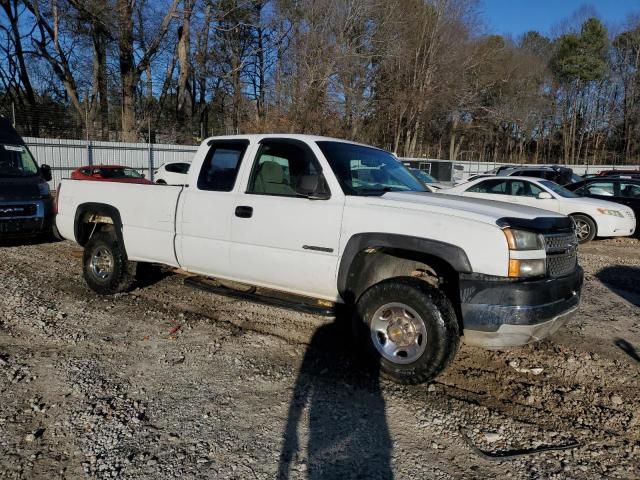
column 147, row 213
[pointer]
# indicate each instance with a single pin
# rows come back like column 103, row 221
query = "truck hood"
column 487, row 211
column 22, row 188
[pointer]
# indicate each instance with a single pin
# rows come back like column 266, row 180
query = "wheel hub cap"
column 401, row 331
column 582, row 229
column 102, row 263
column 398, row 333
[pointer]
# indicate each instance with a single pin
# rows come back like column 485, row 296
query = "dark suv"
column 559, row 175
column 26, row 205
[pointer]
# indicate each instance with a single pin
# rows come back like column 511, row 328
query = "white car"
column 593, row 217
column 172, row 173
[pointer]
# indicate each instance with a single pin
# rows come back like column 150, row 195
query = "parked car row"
column 593, row 217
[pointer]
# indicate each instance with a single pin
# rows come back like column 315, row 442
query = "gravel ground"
column 170, row 382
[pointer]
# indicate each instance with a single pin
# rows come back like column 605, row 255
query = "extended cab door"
column 286, row 222
column 206, row 208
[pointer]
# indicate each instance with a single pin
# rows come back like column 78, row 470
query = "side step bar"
column 269, row 297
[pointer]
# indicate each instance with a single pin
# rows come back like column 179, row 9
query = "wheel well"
column 375, row 264
column 91, row 218
column 589, row 217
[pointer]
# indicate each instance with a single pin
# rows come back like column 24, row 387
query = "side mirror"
column 45, row 171
column 312, row 187
column 544, row 196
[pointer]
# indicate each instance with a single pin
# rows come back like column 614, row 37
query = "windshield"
column 16, row 161
column 368, row 171
column 423, row 176
column 119, row 173
column 576, row 178
column 555, row 188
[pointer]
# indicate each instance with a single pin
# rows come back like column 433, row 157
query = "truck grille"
column 15, row 211
column 562, row 254
column 561, row 242
column 629, row 213
column 561, row 265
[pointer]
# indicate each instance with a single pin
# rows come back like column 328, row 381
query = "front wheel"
column 409, row 328
column 585, row 228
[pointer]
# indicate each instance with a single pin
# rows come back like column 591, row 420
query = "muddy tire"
column 105, row 266
column 409, row 329
column 585, row 228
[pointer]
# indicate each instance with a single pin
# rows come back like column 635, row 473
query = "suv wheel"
column 409, row 327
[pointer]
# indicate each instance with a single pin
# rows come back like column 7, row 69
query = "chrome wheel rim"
column 582, row 229
column 398, row 333
column 101, row 263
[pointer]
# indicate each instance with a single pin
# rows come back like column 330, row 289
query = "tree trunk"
column 184, row 108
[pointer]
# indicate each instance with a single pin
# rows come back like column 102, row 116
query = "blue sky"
column 519, row 16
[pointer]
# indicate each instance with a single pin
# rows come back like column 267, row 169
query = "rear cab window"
column 221, row 165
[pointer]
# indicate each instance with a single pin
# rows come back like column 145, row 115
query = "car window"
column 630, row 190
column 177, row 167
column 280, row 167
column 221, row 165
column 498, row 187
column 520, row 188
column 606, row 189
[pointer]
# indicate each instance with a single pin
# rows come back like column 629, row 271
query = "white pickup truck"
column 340, row 222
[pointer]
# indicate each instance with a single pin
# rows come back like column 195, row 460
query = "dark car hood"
column 17, row 189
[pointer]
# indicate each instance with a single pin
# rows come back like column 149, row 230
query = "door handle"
column 244, row 212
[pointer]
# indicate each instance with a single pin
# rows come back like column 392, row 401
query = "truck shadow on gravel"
column 342, row 404
column 623, row 281
column 627, row 348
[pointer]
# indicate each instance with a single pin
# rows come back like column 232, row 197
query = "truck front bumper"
column 499, row 312
column 27, row 217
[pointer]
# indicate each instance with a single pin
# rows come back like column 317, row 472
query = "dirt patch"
column 169, row 382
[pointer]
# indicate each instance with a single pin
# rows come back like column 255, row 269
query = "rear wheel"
column 585, row 228
column 409, row 328
column 105, row 265
column 161, row 182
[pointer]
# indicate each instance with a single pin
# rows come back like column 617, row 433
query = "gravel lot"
column 170, row 382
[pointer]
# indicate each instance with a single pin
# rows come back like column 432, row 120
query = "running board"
column 273, row 299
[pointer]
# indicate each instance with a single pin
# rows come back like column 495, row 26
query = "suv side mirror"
column 45, row 171
column 313, row 187
column 544, row 196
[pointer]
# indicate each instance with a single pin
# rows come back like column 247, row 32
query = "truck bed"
column 147, row 212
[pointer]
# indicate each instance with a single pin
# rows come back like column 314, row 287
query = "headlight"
column 44, row 189
column 527, row 268
column 606, row 211
column 523, row 240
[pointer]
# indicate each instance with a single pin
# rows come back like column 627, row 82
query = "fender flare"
column 451, row 254
column 97, row 209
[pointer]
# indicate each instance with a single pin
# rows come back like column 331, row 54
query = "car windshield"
column 368, row 171
column 119, row 173
column 555, row 188
column 576, row 178
column 423, row 176
column 16, row 161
